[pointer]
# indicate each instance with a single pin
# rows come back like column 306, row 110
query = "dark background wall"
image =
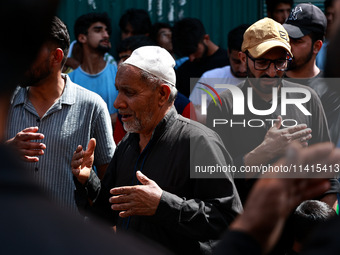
column 218, row 16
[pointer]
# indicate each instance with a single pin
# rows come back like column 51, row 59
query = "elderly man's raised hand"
column 28, row 150
column 137, row 200
column 82, row 161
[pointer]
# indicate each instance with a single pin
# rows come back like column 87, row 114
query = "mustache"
column 105, row 40
column 124, row 112
column 268, row 77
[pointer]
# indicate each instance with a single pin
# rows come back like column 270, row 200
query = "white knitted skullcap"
column 154, row 60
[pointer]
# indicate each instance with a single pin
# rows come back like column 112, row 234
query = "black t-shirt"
column 195, row 69
column 327, row 91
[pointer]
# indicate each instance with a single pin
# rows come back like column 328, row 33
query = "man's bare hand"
column 273, row 199
column 277, row 140
column 137, row 200
column 28, row 150
column 82, row 161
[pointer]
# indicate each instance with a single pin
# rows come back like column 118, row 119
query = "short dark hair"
column 139, row 19
column 134, row 42
column 308, row 215
column 59, row 36
column 272, row 4
column 155, row 29
column 328, row 3
column 187, row 33
column 83, row 22
column 315, row 36
column 235, row 37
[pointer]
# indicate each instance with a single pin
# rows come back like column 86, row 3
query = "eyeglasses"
column 262, row 64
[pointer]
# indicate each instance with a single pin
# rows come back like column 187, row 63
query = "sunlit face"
column 98, row 37
column 237, row 67
column 39, row 70
column 137, row 101
column 267, row 79
column 302, row 50
column 281, row 12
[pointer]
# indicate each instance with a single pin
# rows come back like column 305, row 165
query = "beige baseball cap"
column 264, row 35
column 154, row 60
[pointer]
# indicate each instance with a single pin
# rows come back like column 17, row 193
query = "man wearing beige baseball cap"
column 260, row 135
column 151, row 186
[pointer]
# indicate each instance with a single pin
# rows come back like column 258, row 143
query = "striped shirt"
column 73, row 119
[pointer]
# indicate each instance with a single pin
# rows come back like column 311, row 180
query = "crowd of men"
column 92, row 147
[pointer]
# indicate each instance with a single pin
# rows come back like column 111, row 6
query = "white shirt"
column 220, row 75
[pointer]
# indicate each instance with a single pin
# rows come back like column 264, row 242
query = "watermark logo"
column 204, row 97
column 239, row 100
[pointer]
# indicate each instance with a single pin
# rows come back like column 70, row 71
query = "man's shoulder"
column 193, row 129
column 112, row 66
column 79, row 73
column 83, row 94
column 227, row 93
column 18, row 95
column 290, row 84
column 220, row 72
column 221, row 53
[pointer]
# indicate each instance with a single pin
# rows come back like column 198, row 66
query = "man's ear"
column 164, row 93
column 317, row 46
column 82, row 38
column 57, row 56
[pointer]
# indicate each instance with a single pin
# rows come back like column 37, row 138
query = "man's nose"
column 106, row 34
column 271, row 71
column 119, row 102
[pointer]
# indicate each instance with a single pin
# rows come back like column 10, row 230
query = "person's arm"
column 101, row 130
column 212, row 206
column 91, row 196
column 214, row 203
column 197, row 218
column 82, row 162
column 330, row 196
column 264, row 214
column 101, row 170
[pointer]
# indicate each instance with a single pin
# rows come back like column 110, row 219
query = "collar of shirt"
column 68, row 97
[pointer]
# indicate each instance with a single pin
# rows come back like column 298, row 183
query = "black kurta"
column 193, row 212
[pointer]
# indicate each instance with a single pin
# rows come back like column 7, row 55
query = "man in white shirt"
column 231, row 74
